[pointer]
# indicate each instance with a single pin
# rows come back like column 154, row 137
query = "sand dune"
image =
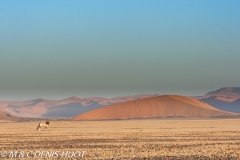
column 160, row 106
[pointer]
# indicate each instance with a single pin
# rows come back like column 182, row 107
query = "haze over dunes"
column 160, row 106
column 31, row 108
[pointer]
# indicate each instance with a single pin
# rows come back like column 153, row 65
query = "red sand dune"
column 160, row 106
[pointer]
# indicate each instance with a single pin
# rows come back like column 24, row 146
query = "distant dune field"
column 69, row 107
column 225, row 99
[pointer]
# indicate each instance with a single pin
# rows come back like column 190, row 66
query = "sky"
column 58, row 49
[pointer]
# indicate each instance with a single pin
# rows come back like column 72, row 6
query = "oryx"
column 46, row 124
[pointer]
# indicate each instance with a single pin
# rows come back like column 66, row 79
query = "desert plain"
column 155, row 139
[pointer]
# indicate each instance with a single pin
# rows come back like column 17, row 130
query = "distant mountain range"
column 226, row 99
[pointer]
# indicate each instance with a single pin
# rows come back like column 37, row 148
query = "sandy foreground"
column 123, row 139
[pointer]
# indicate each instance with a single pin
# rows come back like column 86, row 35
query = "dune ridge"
column 159, row 106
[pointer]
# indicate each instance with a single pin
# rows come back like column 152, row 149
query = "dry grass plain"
column 128, row 139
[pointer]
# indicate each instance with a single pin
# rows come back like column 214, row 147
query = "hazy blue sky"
column 57, row 49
